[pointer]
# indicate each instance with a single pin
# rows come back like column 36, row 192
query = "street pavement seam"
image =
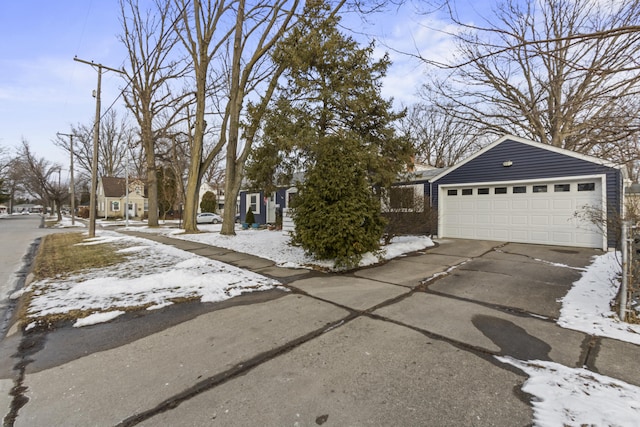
column 239, row 369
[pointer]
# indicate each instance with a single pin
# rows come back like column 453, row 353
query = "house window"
column 467, row 191
column 253, row 202
column 483, row 191
column 401, row 198
column 452, row 192
column 500, row 190
column 561, row 187
column 115, row 206
column 539, row 189
column 520, row 189
column 587, row 186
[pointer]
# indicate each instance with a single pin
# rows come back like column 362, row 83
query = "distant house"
column 264, row 206
column 112, row 198
column 267, row 207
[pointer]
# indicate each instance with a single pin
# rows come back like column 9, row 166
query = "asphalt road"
column 19, row 235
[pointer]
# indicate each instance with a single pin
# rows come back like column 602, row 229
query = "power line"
column 96, row 138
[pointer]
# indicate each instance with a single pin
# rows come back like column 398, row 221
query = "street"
column 18, row 233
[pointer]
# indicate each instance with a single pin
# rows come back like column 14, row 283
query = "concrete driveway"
column 411, row 343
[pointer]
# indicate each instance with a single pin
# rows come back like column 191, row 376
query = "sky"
column 561, row 395
column 44, row 91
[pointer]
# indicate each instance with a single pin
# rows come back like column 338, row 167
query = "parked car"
column 208, row 218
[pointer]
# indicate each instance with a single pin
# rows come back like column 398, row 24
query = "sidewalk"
column 371, row 347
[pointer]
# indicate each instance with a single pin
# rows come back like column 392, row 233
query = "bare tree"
column 41, row 178
column 439, row 139
column 150, row 39
column 116, row 136
column 238, row 35
column 561, row 72
column 6, row 188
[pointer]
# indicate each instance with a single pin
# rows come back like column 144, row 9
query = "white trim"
column 533, row 144
column 258, row 202
column 521, row 181
column 603, row 182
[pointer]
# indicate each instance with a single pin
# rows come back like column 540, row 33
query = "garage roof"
column 531, row 143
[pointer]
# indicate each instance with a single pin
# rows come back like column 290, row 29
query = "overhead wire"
column 136, row 72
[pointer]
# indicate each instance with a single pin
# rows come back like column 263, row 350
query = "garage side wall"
column 532, row 163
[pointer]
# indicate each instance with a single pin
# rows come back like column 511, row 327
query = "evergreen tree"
column 336, row 214
column 208, row 203
column 331, row 122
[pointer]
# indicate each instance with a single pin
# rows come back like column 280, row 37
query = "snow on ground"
column 153, row 275
column 587, row 306
column 566, row 396
column 274, row 245
column 563, row 396
column 577, row 397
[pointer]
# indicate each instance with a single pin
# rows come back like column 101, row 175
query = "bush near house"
column 249, row 218
column 336, row 213
column 208, row 203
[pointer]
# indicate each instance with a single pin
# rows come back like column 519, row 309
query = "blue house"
column 517, row 190
column 265, row 207
column 513, row 190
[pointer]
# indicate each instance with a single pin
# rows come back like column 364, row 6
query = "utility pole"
column 71, row 183
column 96, row 138
column 126, row 187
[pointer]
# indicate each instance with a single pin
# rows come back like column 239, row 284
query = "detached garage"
column 517, row 190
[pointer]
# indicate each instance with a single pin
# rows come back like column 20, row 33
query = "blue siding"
column 281, row 197
column 261, row 218
column 530, row 163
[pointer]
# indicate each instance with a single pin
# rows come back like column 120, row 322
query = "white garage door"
column 537, row 212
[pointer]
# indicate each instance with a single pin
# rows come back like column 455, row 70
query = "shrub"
column 336, row 213
column 208, row 203
column 249, row 218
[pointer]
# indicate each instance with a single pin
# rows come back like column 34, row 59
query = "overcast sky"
column 44, row 91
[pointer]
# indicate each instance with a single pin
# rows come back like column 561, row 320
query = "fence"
column 629, row 294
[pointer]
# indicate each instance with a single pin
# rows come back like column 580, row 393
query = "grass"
column 59, row 255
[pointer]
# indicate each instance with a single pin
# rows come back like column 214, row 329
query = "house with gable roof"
column 112, row 198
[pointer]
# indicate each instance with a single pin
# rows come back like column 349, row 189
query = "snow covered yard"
column 274, row 245
column 153, row 276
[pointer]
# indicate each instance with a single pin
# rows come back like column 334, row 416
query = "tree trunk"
column 152, row 174
column 233, row 172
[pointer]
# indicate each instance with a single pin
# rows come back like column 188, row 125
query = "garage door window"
column 587, row 186
column 558, row 188
column 539, row 188
column 467, row 191
column 519, row 189
column 500, row 190
column 483, row 191
column 452, row 192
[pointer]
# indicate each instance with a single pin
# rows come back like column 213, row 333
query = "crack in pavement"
column 246, row 366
